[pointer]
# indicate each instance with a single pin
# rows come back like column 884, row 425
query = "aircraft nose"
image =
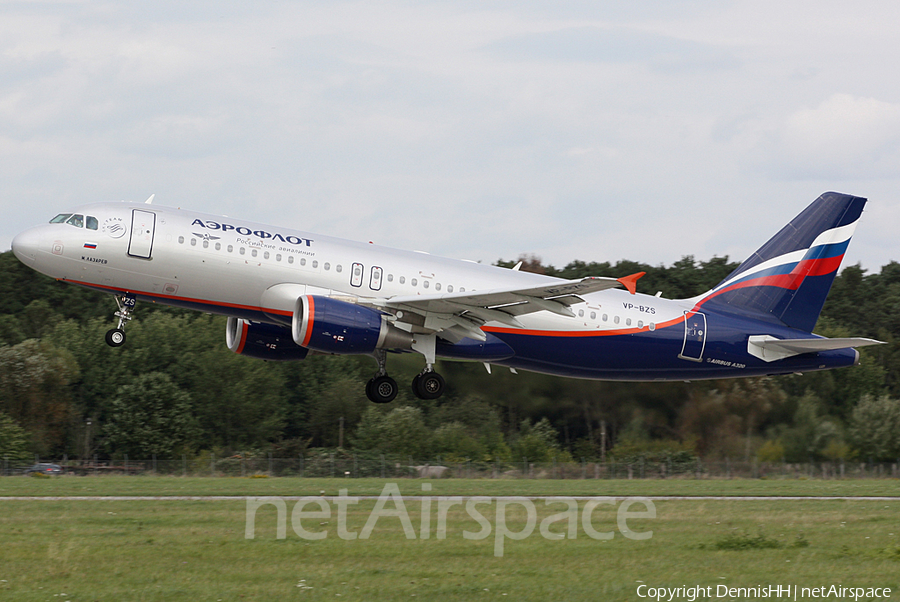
column 25, row 245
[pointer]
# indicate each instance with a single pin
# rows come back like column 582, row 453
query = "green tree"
column 35, row 379
column 401, row 431
column 150, row 416
column 875, row 428
column 454, row 442
column 538, row 442
column 811, row 431
column 13, row 441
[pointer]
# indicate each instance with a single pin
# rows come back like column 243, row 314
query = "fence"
column 393, row 467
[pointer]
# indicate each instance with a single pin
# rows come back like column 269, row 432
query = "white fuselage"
column 235, row 267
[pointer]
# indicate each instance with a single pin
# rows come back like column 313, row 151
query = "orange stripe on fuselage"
column 580, row 333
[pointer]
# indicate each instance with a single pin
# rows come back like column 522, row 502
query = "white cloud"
column 844, row 137
column 576, row 131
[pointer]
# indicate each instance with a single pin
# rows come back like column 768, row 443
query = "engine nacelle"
column 333, row 326
column 262, row 341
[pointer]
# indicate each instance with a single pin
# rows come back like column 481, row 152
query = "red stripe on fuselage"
column 102, row 287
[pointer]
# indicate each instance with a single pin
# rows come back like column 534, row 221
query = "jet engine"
column 262, row 341
column 335, row 326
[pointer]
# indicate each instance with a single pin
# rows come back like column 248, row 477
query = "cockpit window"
column 91, row 223
column 60, row 218
column 76, row 220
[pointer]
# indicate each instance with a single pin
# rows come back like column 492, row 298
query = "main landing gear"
column 428, row 384
column 381, row 388
column 115, row 337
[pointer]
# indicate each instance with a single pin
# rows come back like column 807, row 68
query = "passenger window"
column 437, row 286
column 425, row 284
column 253, row 253
column 61, row 218
column 593, row 315
column 616, row 320
column 205, row 244
column 449, row 288
column 230, row 248
column 181, row 240
column 303, row 261
column 266, row 255
column 315, row 263
column 580, row 313
column 605, row 317
column 390, row 277
column 414, row 282
column 338, row 268
column 76, row 220
column 193, row 242
column 327, row 266
column 402, row 279
column 640, row 323
column 278, row 257
column 627, row 321
column 92, row 223
column 290, row 259
column 218, row 246
column 242, row 251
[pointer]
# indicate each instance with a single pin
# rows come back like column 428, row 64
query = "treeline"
column 175, row 389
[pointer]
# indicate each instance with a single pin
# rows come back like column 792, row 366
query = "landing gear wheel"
column 381, row 389
column 115, row 337
column 428, row 385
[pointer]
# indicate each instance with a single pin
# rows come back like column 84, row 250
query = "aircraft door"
column 375, row 279
column 356, row 274
column 143, row 227
column 694, row 337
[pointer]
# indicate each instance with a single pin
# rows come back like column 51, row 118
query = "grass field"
column 197, row 550
column 120, row 485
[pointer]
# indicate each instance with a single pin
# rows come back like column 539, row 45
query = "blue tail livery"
column 287, row 293
column 788, row 278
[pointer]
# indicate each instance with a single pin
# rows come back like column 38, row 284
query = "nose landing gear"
column 115, row 337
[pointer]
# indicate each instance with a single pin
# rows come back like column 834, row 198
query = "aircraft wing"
column 769, row 348
column 461, row 314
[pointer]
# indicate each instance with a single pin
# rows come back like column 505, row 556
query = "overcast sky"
column 480, row 130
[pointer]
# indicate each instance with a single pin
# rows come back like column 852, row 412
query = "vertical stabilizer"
column 788, row 278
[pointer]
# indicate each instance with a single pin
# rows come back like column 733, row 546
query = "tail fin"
column 789, row 277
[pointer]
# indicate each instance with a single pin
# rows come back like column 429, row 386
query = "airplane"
column 288, row 293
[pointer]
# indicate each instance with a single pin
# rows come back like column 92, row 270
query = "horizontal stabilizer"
column 769, row 349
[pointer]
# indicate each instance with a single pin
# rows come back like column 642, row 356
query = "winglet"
column 630, row 282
